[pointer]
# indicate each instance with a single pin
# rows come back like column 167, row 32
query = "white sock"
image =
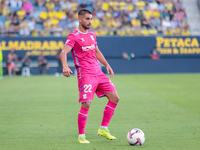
column 81, row 135
column 104, row 127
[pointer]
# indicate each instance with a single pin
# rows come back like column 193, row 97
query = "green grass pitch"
column 40, row 113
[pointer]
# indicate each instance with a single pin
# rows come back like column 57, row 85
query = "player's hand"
column 67, row 71
column 110, row 71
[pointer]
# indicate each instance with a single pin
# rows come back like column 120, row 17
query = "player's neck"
column 81, row 29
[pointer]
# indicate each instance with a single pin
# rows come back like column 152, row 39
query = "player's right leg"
column 87, row 88
column 82, row 121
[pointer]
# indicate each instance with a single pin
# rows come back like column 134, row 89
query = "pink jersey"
column 84, row 54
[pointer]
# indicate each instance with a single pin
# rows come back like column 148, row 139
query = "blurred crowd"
column 46, row 18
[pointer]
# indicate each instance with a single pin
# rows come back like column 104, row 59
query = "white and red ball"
column 135, row 137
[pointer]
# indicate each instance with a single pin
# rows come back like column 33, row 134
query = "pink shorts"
column 90, row 85
column 10, row 66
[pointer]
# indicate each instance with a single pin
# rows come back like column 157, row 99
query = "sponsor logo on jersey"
column 91, row 47
column 82, row 39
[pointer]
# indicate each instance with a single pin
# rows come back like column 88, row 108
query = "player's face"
column 86, row 21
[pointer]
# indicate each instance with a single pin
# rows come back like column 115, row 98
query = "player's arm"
column 63, row 57
column 102, row 59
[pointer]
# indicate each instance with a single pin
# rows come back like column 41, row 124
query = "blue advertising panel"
column 181, row 46
column 32, row 46
column 178, row 54
column 110, row 46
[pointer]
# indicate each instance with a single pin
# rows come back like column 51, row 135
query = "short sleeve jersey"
column 83, row 52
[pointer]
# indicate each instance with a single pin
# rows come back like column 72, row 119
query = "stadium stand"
column 47, row 18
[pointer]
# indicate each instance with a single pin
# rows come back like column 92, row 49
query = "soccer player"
column 82, row 43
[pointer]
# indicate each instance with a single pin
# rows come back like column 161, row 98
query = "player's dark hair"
column 82, row 12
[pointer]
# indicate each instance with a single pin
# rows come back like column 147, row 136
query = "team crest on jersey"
column 92, row 37
column 67, row 41
column 84, row 96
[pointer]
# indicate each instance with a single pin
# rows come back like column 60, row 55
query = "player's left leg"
column 107, row 116
column 110, row 108
column 107, row 88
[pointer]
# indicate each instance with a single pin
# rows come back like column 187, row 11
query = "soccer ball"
column 135, row 137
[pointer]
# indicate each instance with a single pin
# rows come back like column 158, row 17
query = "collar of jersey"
column 82, row 32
